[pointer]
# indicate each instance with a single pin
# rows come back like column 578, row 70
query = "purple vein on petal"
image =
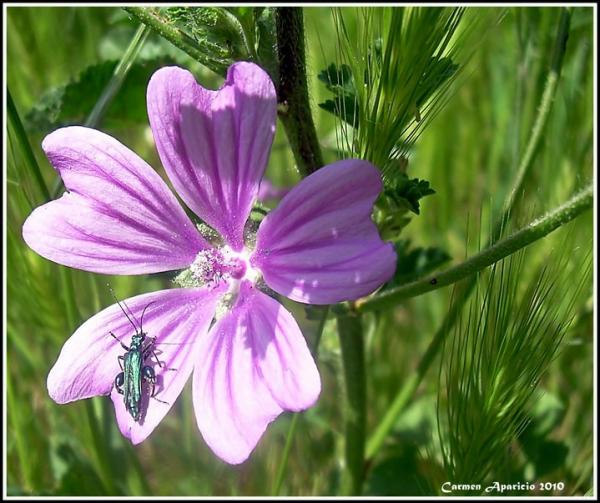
column 203, row 137
column 320, row 245
column 116, row 203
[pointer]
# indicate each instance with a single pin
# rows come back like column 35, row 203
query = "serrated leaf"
column 399, row 196
column 341, row 83
column 338, row 80
column 404, row 192
column 344, row 107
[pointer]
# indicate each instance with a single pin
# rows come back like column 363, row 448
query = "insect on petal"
column 88, row 362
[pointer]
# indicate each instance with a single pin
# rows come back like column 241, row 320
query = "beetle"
column 134, row 370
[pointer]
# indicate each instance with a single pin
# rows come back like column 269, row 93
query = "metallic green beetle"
column 129, row 382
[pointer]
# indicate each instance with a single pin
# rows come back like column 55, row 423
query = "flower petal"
column 267, row 191
column 254, row 364
column 88, row 362
column 320, row 246
column 118, row 216
column 215, row 144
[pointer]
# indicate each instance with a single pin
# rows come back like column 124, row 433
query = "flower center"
column 212, row 266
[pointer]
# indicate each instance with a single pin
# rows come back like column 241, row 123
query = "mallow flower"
column 248, row 357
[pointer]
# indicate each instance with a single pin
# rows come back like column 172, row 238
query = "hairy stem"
column 353, row 359
column 507, row 246
column 541, row 119
column 150, row 17
column 292, row 90
column 534, row 231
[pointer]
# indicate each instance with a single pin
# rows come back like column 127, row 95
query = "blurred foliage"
column 70, row 104
column 414, row 263
column 475, row 119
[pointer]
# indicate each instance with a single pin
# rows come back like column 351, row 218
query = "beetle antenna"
column 124, row 312
column 142, row 318
column 132, row 315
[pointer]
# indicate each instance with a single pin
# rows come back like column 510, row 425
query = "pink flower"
column 248, row 357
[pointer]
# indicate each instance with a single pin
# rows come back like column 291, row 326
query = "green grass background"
column 469, row 154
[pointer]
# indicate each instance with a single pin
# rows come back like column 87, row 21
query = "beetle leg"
column 153, row 395
column 157, row 399
column 121, row 359
column 122, row 345
column 160, row 364
column 150, row 349
column 118, row 383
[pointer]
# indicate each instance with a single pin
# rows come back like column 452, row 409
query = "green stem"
column 16, row 422
column 419, row 287
column 353, row 358
column 292, row 90
column 536, row 230
column 285, row 456
column 402, row 398
column 15, row 121
column 150, row 17
column 410, row 386
column 118, row 76
column 541, row 119
column 507, row 246
column 321, row 311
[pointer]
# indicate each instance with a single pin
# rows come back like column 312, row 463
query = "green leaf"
column 399, row 196
column 71, row 103
column 341, row 83
column 403, row 192
column 344, row 107
column 338, row 80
